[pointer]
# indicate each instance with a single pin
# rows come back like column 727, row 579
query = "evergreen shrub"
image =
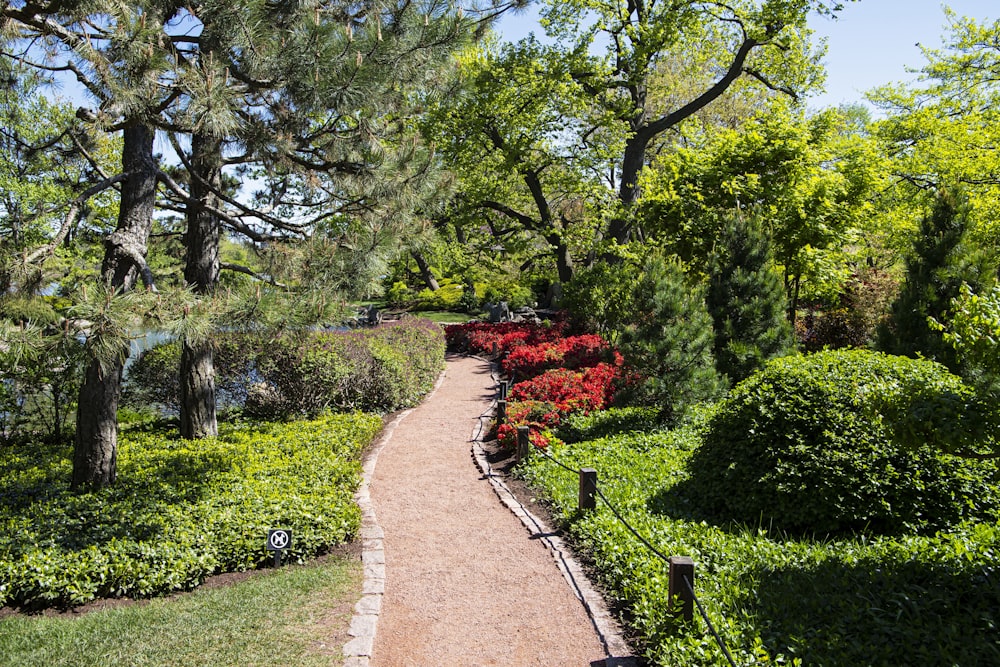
column 825, row 444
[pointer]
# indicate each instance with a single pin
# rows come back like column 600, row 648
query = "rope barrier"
column 645, row 542
column 711, row 628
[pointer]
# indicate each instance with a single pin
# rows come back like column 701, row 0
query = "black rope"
column 559, row 463
column 711, row 628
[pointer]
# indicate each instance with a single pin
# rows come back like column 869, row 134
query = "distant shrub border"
column 181, row 510
column 301, row 374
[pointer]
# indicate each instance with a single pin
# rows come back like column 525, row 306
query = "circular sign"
column 278, row 540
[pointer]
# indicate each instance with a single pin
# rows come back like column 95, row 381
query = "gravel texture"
column 453, row 575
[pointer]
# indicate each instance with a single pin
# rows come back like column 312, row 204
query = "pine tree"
column 670, row 343
column 935, row 270
column 747, row 301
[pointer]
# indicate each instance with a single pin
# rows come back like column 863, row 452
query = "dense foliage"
column 303, row 373
column 668, row 343
column 774, row 599
column 843, row 441
column 940, row 262
column 183, row 510
column 746, row 301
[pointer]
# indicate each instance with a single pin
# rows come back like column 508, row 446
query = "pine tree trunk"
column 95, row 457
column 198, row 418
column 96, row 447
column 197, row 386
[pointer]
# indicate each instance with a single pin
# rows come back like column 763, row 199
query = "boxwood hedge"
column 814, row 444
column 182, row 510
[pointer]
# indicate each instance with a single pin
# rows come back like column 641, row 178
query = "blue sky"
column 872, row 43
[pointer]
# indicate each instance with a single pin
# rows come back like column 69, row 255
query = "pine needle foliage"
column 940, row 262
column 746, row 300
column 669, row 344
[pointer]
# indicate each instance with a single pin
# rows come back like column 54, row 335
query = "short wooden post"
column 680, row 594
column 501, row 412
column 523, row 443
column 588, row 489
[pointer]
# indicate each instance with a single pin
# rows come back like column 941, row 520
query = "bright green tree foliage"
column 805, row 178
column 521, row 136
column 766, row 41
column 945, row 129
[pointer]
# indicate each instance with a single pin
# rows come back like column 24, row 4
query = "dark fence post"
column 523, row 443
column 501, row 412
column 503, row 390
column 588, row 489
column 680, row 595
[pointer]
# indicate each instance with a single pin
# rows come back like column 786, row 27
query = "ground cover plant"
column 775, row 598
column 181, row 511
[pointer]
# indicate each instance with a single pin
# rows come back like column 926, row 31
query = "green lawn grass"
column 298, row 615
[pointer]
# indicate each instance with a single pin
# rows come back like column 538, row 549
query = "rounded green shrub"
column 809, row 445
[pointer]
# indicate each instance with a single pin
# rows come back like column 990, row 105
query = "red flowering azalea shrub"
column 538, row 416
column 485, row 337
column 570, row 391
column 528, row 361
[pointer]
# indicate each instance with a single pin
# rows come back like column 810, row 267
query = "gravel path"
column 452, row 575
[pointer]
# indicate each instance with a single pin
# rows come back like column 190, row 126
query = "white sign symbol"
column 279, row 539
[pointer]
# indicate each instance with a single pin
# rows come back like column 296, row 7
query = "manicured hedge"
column 300, row 374
column 921, row 600
column 180, row 511
column 824, row 443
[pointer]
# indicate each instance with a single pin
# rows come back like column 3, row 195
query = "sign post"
column 278, row 540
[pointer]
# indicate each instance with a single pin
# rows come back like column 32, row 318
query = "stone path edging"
column 607, row 628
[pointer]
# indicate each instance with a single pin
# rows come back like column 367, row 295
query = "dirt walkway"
column 464, row 582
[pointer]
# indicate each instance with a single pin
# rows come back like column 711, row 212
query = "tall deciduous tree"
column 765, row 40
column 944, row 129
column 532, row 153
column 809, row 183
